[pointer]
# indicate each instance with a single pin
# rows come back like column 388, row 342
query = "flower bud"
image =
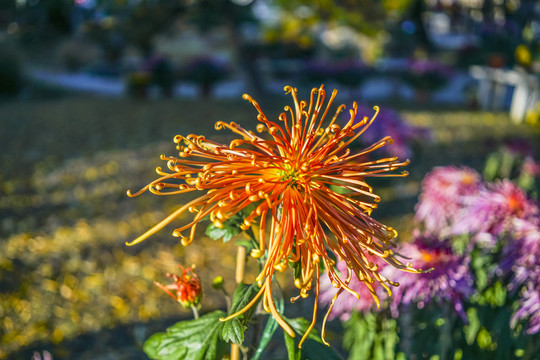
column 186, row 288
column 217, row 283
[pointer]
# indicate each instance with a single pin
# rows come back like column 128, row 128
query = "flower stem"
column 227, row 300
column 240, row 264
column 195, row 311
column 239, row 276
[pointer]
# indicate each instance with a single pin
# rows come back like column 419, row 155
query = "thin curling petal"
column 164, row 222
column 310, row 191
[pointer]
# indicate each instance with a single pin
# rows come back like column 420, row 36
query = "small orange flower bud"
column 186, row 289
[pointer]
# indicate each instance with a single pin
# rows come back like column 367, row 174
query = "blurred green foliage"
column 366, row 16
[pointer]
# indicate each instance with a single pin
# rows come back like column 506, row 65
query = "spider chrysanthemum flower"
column 311, row 201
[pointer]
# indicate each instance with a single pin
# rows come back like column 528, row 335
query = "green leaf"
column 471, row 330
column 300, row 325
column 269, row 330
column 496, row 294
column 297, row 268
column 230, row 228
column 483, row 339
column 234, row 329
column 248, row 244
column 391, row 338
column 292, row 350
column 192, row 339
column 359, row 334
column 491, row 168
column 313, row 347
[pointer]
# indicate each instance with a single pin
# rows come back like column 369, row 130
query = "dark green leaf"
column 269, row 330
column 297, row 268
column 233, row 330
column 230, row 228
column 313, row 347
column 292, row 350
column 300, row 325
column 193, row 339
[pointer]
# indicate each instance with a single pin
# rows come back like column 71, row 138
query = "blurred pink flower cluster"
column 457, row 213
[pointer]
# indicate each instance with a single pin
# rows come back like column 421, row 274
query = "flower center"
column 515, row 203
column 468, row 179
column 293, row 175
column 430, row 257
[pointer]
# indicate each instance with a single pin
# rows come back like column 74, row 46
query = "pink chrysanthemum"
column 443, row 190
column 494, row 210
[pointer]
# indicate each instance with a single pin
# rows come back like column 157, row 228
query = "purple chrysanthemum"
column 521, row 256
column 518, row 147
column 443, row 190
column 494, row 210
column 529, row 307
column 525, row 267
column 427, row 66
column 449, row 280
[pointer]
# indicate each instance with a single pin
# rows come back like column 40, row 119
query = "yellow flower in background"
column 523, row 55
column 306, row 190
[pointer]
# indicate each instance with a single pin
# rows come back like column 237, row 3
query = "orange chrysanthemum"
column 312, row 203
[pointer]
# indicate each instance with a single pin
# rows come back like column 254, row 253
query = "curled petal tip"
column 325, row 342
column 291, row 333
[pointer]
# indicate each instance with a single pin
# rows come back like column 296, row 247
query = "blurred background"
column 93, row 91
